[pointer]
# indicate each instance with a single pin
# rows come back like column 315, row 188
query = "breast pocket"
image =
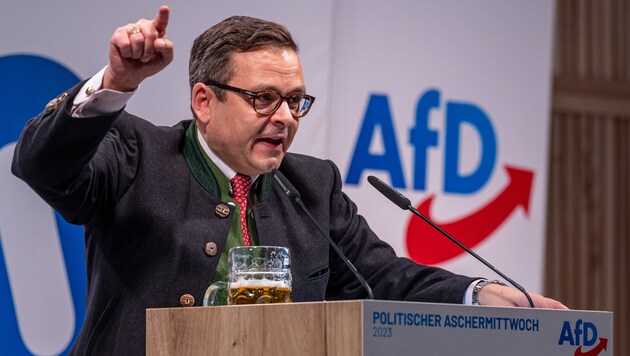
column 318, row 273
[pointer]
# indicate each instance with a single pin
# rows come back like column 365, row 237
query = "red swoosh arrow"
column 601, row 346
column 426, row 245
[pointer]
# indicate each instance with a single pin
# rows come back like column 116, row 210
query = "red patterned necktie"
column 240, row 187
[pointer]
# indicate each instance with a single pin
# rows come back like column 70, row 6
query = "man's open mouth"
column 272, row 141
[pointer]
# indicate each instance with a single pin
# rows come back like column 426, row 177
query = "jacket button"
column 187, row 300
column 52, row 105
column 210, row 248
column 222, row 210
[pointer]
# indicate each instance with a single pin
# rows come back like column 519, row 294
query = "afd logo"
column 42, row 268
column 584, row 334
column 378, row 124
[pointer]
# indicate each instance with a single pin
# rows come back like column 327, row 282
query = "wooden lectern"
column 371, row 327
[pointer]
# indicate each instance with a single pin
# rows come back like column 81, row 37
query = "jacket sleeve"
column 80, row 166
column 390, row 277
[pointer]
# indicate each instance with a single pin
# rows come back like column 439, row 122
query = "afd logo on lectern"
column 584, row 335
column 458, row 116
column 42, row 268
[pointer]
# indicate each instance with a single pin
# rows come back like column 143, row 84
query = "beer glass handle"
column 216, row 294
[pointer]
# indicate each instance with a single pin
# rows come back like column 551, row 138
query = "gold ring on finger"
column 132, row 29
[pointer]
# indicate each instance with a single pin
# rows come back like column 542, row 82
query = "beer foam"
column 263, row 282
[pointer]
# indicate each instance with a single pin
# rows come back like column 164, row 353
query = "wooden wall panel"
column 588, row 222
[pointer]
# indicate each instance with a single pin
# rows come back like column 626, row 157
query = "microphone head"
column 390, row 193
column 286, row 186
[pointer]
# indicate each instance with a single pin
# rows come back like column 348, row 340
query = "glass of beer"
column 256, row 275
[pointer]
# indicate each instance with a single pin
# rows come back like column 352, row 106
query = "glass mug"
column 256, row 275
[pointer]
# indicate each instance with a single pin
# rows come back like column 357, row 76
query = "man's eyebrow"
column 263, row 87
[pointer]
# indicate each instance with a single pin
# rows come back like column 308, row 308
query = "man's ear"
column 201, row 99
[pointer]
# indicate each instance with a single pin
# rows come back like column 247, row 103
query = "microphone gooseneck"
column 404, row 203
column 292, row 193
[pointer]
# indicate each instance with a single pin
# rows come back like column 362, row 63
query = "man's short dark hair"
column 211, row 53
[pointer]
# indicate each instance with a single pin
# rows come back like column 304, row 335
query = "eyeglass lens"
column 267, row 102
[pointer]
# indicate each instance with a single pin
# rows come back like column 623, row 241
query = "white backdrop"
column 490, row 56
column 495, row 55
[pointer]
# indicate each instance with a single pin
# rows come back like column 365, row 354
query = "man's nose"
column 282, row 116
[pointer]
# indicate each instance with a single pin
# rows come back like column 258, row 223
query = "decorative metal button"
column 187, row 300
column 222, row 210
column 210, row 248
column 52, row 105
column 90, row 90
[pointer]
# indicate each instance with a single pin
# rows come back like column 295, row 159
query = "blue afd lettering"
column 421, row 137
column 585, row 331
column 458, row 114
column 377, row 114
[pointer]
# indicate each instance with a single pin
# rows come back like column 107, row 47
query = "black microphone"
column 404, row 203
column 294, row 195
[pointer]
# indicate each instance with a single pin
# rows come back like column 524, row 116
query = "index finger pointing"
column 161, row 20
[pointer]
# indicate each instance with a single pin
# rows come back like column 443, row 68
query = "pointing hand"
column 137, row 51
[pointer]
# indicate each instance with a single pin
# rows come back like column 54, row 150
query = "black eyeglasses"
column 267, row 102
